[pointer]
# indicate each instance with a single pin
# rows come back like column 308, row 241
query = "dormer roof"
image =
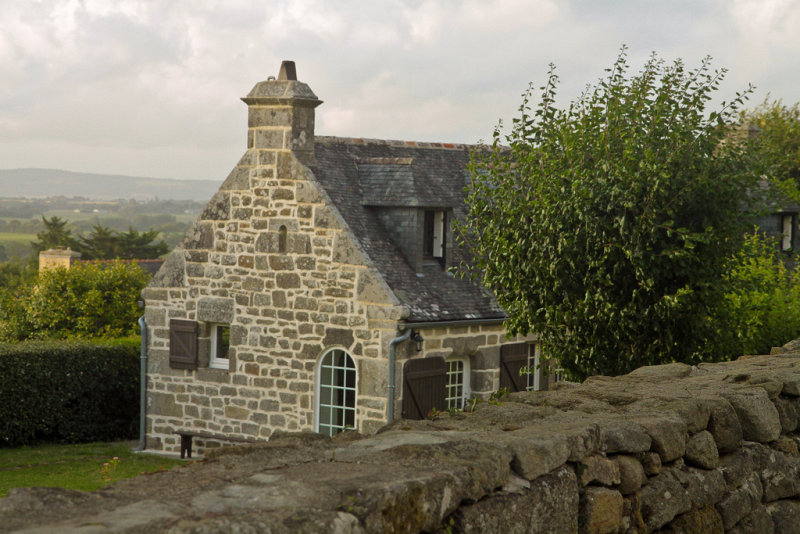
column 362, row 176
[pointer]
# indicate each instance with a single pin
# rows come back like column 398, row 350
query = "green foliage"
column 104, row 243
column 761, row 307
column 16, row 273
column 777, row 143
column 55, row 234
column 86, row 301
column 604, row 227
column 68, row 391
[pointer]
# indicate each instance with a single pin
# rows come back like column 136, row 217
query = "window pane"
column 223, row 341
column 337, row 392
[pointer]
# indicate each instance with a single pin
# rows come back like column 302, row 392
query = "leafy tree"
column 15, row 273
column 55, row 234
column 777, row 143
column 604, row 227
column 85, row 301
column 761, row 307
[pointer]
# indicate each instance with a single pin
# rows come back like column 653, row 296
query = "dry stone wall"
column 665, row 449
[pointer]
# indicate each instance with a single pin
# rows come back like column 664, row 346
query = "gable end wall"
column 286, row 309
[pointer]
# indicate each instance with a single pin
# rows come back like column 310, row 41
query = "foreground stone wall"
column 666, row 449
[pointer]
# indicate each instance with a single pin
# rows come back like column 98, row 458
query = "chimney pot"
column 288, row 71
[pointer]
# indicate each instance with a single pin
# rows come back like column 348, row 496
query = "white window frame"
column 454, row 401
column 438, row 234
column 326, row 424
column 787, row 233
column 534, row 374
column 213, row 361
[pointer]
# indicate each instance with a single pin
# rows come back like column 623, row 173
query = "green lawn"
column 75, row 466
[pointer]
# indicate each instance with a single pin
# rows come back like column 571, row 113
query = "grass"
column 78, row 467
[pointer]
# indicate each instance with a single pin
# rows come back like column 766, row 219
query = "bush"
column 85, row 301
column 761, row 308
column 69, row 391
column 604, row 226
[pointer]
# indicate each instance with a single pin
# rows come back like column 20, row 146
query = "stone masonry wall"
column 666, row 449
column 284, row 308
column 478, row 344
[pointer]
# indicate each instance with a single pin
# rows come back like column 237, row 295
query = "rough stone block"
column 215, row 310
column 217, row 209
column 369, row 288
column 237, row 180
column 549, row 506
column 287, row 281
column 757, row 414
column 725, row 427
column 163, row 404
column 785, row 516
column 598, row 469
column 701, row 451
column 787, row 413
column 759, row 521
column 739, row 503
column 338, row 337
column 662, row 499
column 651, row 462
column 705, row 520
column 631, row 474
column 600, row 511
column 668, row 435
column 268, row 138
column 621, row 436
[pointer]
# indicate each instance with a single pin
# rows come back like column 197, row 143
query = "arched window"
column 336, row 394
column 282, row 239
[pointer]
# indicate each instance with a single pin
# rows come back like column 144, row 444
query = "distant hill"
column 33, row 183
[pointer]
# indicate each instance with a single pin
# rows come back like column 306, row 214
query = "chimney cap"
column 288, row 71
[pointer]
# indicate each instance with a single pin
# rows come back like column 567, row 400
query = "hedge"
column 69, row 392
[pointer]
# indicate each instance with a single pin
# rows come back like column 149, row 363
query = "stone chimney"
column 53, row 258
column 280, row 114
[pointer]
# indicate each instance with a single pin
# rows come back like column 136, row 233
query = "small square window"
column 220, row 346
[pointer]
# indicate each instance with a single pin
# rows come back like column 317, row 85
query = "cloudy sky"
column 152, row 87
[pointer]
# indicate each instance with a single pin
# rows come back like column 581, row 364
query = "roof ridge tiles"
column 393, row 142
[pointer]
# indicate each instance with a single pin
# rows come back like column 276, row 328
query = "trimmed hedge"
column 76, row 391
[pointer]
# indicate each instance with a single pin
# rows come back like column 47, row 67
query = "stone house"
column 314, row 291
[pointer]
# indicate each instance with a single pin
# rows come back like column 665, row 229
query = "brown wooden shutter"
column 182, row 344
column 513, row 358
column 424, row 387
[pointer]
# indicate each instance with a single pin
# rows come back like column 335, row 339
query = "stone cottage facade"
column 313, row 292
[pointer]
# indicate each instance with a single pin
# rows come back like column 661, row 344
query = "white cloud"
column 157, row 82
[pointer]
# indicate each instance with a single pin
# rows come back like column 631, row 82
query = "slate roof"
column 361, row 175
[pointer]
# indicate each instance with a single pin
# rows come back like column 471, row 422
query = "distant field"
column 72, row 216
column 16, row 238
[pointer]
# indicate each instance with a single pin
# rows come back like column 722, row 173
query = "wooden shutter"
column 182, row 344
column 513, row 358
column 424, row 387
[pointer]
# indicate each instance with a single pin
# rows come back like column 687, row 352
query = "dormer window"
column 433, row 241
